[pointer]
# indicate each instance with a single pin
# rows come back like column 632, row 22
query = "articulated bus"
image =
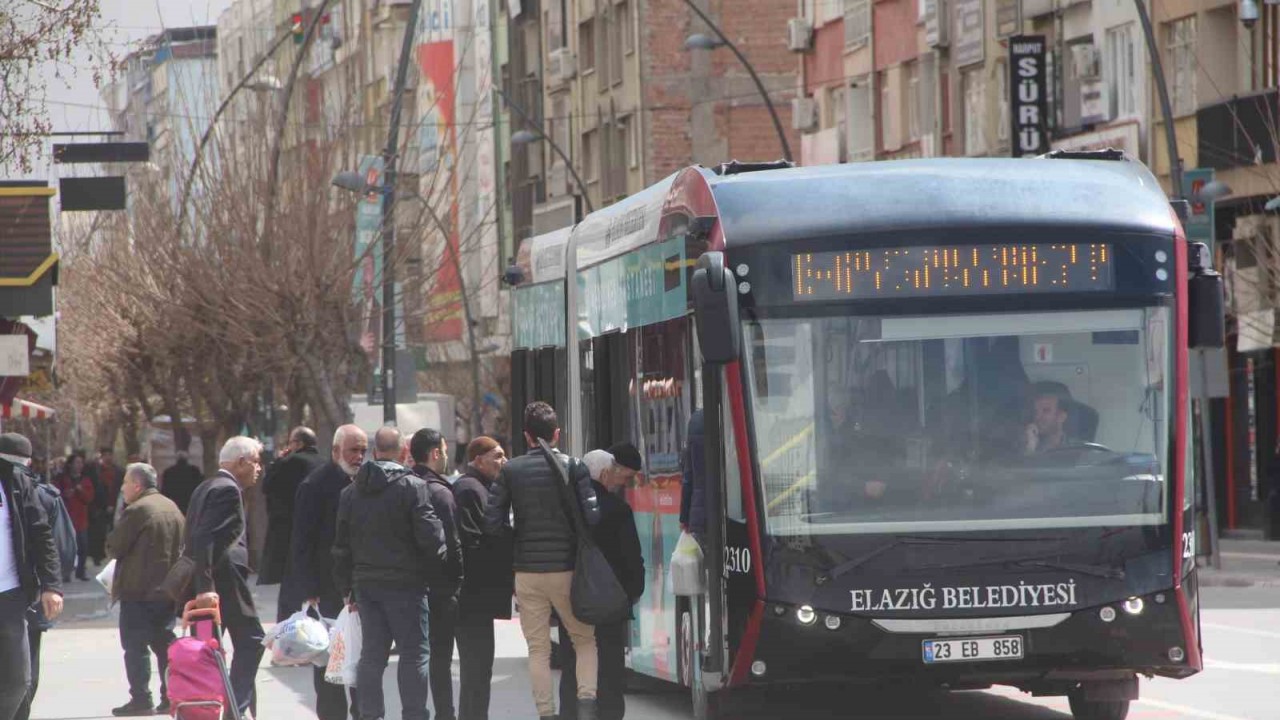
column 947, row 426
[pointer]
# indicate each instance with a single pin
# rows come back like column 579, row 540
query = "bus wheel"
column 706, row 705
column 1082, row 709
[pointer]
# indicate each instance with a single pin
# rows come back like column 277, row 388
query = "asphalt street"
column 83, row 674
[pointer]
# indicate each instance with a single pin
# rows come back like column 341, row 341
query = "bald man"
column 314, row 525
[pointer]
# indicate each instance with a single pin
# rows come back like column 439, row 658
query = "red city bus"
column 946, row 418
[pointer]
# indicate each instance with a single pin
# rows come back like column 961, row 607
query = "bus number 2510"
column 737, row 560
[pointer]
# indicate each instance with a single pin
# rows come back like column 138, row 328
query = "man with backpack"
column 64, row 539
column 545, row 550
column 29, row 569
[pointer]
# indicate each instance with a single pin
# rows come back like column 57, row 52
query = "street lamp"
column 699, row 41
column 526, row 136
column 523, row 137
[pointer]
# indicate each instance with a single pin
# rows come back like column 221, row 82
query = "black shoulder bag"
column 596, row 595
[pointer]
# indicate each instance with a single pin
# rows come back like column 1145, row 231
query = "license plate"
column 972, row 649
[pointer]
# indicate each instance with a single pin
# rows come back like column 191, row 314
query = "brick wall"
column 676, row 84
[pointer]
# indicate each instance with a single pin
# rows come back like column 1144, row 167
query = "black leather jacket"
column 37, row 555
column 388, row 535
column 544, row 537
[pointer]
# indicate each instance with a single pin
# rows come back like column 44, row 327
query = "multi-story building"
column 613, row 86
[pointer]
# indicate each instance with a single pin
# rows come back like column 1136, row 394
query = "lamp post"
column 699, row 41
column 1166, row 108
column 525, row 136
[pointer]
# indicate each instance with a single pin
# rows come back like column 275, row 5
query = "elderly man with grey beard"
column 315, row 518
column 145, row 544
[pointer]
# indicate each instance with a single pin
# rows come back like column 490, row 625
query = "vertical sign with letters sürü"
column 1028, row 90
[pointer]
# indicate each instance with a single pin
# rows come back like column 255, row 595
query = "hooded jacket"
column 388, row 536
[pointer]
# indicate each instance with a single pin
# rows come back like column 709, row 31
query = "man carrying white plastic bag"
column 345, row 640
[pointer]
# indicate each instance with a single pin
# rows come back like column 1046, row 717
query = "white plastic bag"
column 344, row 649
column 297, row 640
column 107, row 575
column 687, row 575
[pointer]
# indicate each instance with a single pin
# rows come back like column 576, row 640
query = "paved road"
column 84, row 678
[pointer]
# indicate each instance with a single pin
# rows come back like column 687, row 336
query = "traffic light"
column 296, row 29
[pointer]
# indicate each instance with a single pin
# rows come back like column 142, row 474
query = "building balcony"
column 1238, row 132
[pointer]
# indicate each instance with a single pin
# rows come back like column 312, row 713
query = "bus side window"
column 732, row 477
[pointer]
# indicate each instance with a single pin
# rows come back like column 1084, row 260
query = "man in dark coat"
column 279, row 488
column 29, row 569
column 388, row 552
column 430, row 461
column 618, row 540
column 107, row 477
column 179, row 480
column 315, row 521
column 216, row 541
column 544, row 554
column 488, row 582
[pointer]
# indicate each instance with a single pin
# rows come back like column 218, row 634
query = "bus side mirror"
column 715, row 301
column 1206, row 319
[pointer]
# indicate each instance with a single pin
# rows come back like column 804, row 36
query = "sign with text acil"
column 1029, row 102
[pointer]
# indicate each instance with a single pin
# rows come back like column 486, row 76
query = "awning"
column 25, row 409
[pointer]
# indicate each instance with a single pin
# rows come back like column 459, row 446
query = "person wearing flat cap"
column 29, row 568
column 611, row 471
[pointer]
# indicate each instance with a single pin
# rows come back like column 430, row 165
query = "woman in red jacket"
column 77, row 494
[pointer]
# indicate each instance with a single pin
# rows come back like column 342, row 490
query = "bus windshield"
column 949, row 423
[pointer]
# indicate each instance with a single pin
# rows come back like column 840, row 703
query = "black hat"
column 626, row 455
column 15, row 444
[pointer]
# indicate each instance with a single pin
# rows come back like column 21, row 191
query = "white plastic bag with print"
column 344, row 649
column 687, row 575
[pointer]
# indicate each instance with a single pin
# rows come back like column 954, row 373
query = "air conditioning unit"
column 1086, row 61
column 804, row 114
column 799, row 34
column 562, row 66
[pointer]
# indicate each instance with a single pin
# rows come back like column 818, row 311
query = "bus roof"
column 832, row 200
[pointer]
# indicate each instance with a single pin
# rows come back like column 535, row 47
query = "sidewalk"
column 1245, row 563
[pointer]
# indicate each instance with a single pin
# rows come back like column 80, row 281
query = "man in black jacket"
column 315, row 521
column 389, row 550
column 618, row 539
column 545, row 549
column 487, row 584
column 280, row 488
column 179, row 480
column 216, row 539
column 430, row 462
column 29, row 569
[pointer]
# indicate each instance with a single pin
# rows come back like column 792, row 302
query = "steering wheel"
column 1091, row 446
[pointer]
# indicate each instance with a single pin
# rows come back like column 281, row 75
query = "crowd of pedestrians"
column 428, row 559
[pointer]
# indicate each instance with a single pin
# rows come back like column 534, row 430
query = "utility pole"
column 390, row 156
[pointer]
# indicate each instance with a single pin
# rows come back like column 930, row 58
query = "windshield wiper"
column 836, row 572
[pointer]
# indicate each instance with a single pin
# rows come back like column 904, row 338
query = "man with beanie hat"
column 29, row 568
column 617, row 538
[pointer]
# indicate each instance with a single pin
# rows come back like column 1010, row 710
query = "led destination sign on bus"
column 952, row 270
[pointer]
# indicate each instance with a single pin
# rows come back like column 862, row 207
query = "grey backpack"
column 64, row 534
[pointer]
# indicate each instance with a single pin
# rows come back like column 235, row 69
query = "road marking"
column 1186, row 710
column 1268, row 668
column 1233, row 628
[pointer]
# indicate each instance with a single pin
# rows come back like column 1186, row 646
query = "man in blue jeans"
column 388, row 550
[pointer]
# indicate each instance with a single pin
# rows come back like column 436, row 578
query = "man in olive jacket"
column 145, row 544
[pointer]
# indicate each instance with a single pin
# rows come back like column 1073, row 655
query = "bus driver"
column 1051, row 406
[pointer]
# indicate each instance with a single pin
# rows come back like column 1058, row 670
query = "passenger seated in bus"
column 1051, row 406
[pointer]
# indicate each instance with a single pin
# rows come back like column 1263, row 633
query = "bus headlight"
column 832, row 622
column 806, row 615
column 1176, row 654
column 1108, row 614
column 1134, row 606
column 758, row 668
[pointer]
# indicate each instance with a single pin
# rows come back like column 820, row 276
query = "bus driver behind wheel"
column 1051, row 406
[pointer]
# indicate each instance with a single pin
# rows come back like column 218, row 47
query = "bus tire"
column 1082, row 709
column 706, row 705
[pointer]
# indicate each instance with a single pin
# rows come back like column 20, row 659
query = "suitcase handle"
column 192, row 614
